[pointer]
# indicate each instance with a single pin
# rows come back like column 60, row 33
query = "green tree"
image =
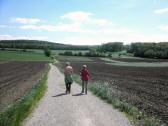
column 47, row 52
column 149, row 50
column 150, row 54
column 111, row 47
column 68, row 53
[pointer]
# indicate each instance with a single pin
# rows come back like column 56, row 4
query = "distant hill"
column 36, row 44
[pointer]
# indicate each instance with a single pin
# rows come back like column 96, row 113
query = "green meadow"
column 22, row 56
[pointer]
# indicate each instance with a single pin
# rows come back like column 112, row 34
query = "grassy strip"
column 22, row 108
column 77, row 79
column 137, row 117
column 74, row 58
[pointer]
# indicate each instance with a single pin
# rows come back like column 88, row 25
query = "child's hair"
column 84, row 66
column 67, row 63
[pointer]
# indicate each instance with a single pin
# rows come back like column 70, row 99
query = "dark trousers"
column 68, row 87
column 84, row 86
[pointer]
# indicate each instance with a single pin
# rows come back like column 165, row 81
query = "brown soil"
column 17, row 78
column 146, row 88
column 140, row 60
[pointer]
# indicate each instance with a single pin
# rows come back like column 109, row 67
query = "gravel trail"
column 58, row 109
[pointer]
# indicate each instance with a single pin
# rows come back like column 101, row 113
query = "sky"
column 85, row 22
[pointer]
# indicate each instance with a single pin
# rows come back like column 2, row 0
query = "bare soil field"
column 144, row 87
column 17, row 78
column 140, row 60
column 60, row 109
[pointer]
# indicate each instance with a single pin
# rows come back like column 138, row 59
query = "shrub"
column 149, row 50
column 68, row 53
column 150, row 53
column 79, row 54
column 110, row 55
column 138, row 117
column 24, row 50
column 119, row 55
column 47, row 52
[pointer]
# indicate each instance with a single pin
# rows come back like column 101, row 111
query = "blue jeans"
column 84, row 86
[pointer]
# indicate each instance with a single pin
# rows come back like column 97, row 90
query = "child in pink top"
column 85, row 76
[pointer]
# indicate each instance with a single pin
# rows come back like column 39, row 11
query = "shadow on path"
column 78, row 94
column 58, row 95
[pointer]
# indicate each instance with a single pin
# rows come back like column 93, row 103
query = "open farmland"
column 74, row 59
column 17, row 78
column 135, row 59
column 145, row 63
column 22, row 56
column 144, row 87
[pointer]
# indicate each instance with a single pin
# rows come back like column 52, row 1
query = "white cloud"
column 114, row 30
column 81, row 17
column 10, row 37
column 5, row 37
column 99, row 39
column 77, row 22
column 161, row 11
column 3, row 26
column 91, row 30
column 56, row 28
column 163, row 28
column 39, row 27
column 78, row 16
column 26, row 20
column 77, row 28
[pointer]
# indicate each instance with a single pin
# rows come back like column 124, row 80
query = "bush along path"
column 75, row 109
column 137, row 117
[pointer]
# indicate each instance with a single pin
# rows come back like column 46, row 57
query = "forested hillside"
column 35, row 44
column 149, row 50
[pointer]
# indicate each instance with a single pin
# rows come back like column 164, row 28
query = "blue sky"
column 85, row 21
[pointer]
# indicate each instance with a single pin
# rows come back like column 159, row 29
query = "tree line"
column 91, row 53
column 145, row 50
column 111, row 47
column 36, row 44
column 149, row 50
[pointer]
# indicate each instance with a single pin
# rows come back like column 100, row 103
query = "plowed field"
column 17, row 78
column 144, row 87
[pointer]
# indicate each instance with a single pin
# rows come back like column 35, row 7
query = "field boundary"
column 135, row 64
column 17, row 112
column 136, row 117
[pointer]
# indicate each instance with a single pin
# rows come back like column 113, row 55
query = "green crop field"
column 41, row 50
column 57, row 51
column 73, row 51
column 22, row 56
column 74, row 58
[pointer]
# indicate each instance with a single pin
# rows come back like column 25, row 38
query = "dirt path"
column 58, row 109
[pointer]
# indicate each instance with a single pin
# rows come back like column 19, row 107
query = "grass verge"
column 16, row 113
column 137, row 117
column 112, row 96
